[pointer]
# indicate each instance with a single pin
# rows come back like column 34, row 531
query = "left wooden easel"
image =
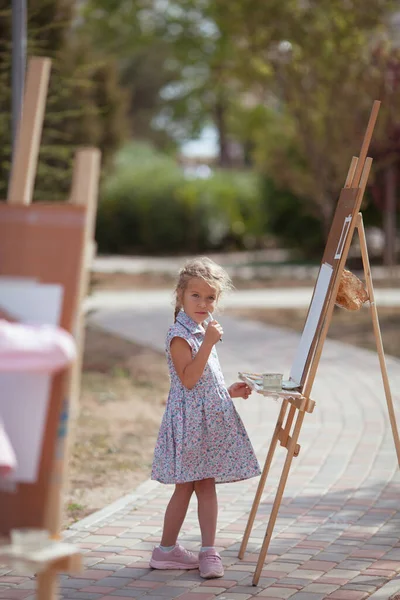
column 51, row 244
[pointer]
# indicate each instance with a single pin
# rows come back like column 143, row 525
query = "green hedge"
column 148, row 206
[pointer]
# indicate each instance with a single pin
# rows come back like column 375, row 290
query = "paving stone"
column 169, row 592
column 343, row 573
column 190, row 576
column 354, row 565
column 193, row 596
column 291, row 581
column 100, row 539
column 320, row 588
column 160, row 576
column 97, row 589
column 110, row 548
column 183, row 584
column 234, row 575
column 210, row 590
column 307, row 596
column 360, row 587
column 369, row 579
column 319, row 565
column 85, row 596
column 107, row 566
column 17, row 594
column 27, row 585
column 348, row 595
column 130, row 593
column 115, row 582
column 277, row 592
column 111, row 530
column 305, row 574
column 225, row 583
column 274, row 574
column 250, row 590
column 77, row 584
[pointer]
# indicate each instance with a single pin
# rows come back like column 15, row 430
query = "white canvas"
column 24, row 396
column 310, row 327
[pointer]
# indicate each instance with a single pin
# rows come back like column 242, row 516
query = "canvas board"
column 24, row 397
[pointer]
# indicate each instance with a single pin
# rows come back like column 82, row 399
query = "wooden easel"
column 301, row 403
column 40, row 504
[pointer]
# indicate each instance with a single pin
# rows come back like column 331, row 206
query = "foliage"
column 149, row 205
column 293, row 81
column 84, row 104
column 313, row 60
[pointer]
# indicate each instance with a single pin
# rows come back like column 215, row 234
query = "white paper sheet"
column 24, row 397
column 310, row 327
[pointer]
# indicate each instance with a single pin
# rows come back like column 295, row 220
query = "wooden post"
column 47, row 585
column 278, row 497
column 27, row 145
column 263, row 479
column 377, row 333
column 331, row 305
column 84, row 191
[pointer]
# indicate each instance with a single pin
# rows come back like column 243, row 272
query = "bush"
column 291, row 223
column 148, row 205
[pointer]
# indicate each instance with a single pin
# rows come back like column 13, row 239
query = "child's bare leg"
column 176, row 513
column 207, row 510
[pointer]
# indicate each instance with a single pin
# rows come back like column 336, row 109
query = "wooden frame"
column 301, row 403
column 79, row 213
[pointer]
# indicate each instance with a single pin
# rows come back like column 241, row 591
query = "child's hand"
column 213, row 333
column 240, row 389
column 4, row 315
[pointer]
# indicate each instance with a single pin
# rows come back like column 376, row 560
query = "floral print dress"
column 201, row 434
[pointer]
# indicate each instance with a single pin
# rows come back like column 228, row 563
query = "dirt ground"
column 125, row 386
column 146, row 281
column 123, row 393
column 350, row 327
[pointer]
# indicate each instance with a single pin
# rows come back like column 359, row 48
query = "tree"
column 386, row 147
column 312, row 61
column 128, row 32
column 84, row 106
column 175, row 58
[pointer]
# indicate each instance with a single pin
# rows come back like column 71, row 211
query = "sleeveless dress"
column 201, row 434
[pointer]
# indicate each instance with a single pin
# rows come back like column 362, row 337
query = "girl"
column 202, row 440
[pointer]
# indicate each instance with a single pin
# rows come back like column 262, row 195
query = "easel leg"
column 278, row 497
column 47, row 586
column 377, row 334
column 263, row 478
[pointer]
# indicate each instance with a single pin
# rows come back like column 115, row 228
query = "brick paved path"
column 337, row 533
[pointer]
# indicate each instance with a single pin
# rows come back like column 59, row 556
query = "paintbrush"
column 212, row 319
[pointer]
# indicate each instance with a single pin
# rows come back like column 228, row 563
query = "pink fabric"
column 39, row 348
column 8, row 461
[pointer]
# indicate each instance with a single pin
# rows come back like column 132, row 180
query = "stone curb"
column 118, row 505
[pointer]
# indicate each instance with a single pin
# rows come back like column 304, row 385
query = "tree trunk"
column 220, row 122
column 326, row 211
column 389, row 217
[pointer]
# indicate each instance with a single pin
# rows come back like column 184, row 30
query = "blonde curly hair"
column 202, row 268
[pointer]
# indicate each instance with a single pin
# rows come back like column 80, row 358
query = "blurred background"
column 223, row 126
column 226, row 128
